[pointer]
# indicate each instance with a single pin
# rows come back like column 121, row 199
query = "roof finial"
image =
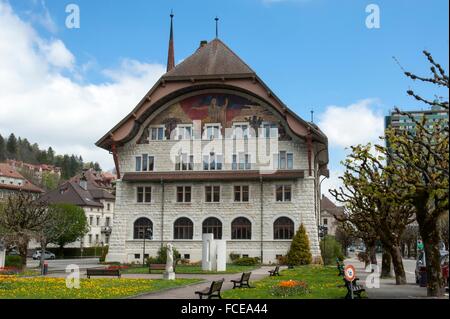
column 217, row 26
column 171, row 54
column 312, row 116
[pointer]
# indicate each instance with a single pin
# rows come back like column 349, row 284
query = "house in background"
column 12, row 181
column 328, row 211
column 93, row 193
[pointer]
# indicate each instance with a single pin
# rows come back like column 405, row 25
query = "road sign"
column 350, row 273
column 419, row 245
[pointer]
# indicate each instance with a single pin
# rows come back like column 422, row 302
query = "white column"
column 2, row 257
column 208, row 252
column 221, row 255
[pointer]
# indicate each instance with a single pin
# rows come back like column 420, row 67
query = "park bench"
column 102, row 272
column 353, row 287
column 275, row 272
column 212, row 291
column 243, row 281
column 156, row 267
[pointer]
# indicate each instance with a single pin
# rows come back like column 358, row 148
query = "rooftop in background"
column 86, row 190
column 15, row 182
column 327, row 205
column 35, row 167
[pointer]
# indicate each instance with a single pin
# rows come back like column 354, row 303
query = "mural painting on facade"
column 224, row 109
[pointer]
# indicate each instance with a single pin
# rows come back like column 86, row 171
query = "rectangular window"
column 212, row 131
column 184, row 194
column 285, row 160
column 212, row 194
column 107, row 221
column 91, row 220
column 241, row 131
column 157, row 133
column 241, row 193
column 187, row 256
column 96, row 239
column 184, row 162
column 98, row 221
column 144, row 194
column 137, row 256
column 108, row 206
column 184, row 132
column 138, row 163
column 270, row 130
column 212, row 162
column 90, row 239
column 145, row 163
column 283, row 193
column 325, row 221
column 107, row 239
column 241, row 162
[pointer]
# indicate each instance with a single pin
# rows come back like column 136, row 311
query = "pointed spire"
column 171, row 54
column 217, row 26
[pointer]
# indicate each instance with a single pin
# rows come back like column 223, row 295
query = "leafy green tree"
column 50, row 180
column 330, row 250
column 299, row 252
column 419, row 159
column 70, row 224
column 381, row 202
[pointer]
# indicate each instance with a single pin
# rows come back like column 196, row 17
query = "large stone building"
column 211, row 149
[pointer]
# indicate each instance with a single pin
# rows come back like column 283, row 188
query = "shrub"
column 13, row 261
column 161, row 258
column 299, row 252
column 234, row 257
column 282, row 260
column 288, row 288
column 246, row 261
column 104, row 253
column 331, row 250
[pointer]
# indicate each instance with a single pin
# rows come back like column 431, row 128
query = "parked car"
column 421, row 267
column 47, row 255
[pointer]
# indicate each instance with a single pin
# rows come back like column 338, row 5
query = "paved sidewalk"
column 188, row 292
column 388, row 289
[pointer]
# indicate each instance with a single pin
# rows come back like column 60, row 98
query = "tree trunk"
column 400, row 276
column 372, row 252
column 23, row 249
column 386, row 261
column 430, row 236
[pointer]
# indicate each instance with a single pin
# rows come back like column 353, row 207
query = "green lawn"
column 13, row 287
column 190, row 269
column 322, row 282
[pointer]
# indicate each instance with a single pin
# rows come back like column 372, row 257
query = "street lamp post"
column 146, row 231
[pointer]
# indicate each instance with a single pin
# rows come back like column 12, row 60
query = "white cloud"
column 39, row 101
column 357, row 123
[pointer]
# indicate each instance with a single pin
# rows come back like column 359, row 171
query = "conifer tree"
column 299, row 253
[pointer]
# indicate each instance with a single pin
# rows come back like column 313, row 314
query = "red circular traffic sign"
column 349, row 272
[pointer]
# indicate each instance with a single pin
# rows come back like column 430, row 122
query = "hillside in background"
column 20, row 149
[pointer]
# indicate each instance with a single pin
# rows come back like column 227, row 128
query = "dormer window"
column 269, row 130
column 212, row 131
column 241, row 162
column 184, row 132
column 241, row 131
column 157, row 133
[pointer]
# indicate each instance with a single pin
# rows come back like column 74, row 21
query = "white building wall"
column 301, row 209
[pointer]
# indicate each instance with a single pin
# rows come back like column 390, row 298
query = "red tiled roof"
column 9, row 171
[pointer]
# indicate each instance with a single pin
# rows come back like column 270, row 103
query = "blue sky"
column 314, row 54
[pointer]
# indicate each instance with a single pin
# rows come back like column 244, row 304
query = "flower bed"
column 13, row 287
column 291, row 287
